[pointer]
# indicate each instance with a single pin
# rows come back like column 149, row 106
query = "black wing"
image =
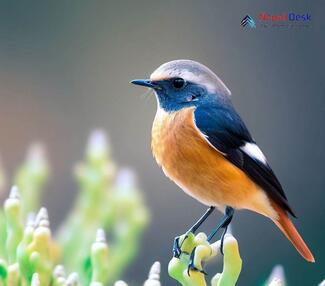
column 226, row 132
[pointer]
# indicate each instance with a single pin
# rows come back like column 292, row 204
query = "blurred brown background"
column 65, row 69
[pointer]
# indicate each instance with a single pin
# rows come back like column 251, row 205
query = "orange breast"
column 198, row 168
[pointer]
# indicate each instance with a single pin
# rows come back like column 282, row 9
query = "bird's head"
column 184, row 83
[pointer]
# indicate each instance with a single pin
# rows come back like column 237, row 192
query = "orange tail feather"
column 286, row 226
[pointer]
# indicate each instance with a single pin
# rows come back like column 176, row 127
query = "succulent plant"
column 109, row 203
column 199, row 250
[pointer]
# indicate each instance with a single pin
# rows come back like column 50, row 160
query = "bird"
column 202, row 144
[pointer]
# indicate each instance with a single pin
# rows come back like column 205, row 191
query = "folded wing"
column 225, row 131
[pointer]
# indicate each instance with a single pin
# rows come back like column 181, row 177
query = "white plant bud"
column 277, row 277
column 276, row 282
column 97, row 144
column 42, row 215
column 36, row 158
column 120, row 283
column 73, row 279
column 126, row 178
column 154, row 275
column 59, row 271
column 100, row 235
column 35, row 280
column 14, row 193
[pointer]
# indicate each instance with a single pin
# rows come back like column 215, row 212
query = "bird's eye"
column 178, row 83
column 191, row 97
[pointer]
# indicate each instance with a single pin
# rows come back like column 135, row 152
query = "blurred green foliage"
column 108, row 203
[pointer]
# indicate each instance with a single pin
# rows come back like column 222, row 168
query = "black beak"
column 144, row 82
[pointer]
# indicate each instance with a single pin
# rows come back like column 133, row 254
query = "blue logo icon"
column 248, row 21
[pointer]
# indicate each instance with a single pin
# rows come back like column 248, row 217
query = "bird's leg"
column 193, row 229
column 229, row 213
column 201, row 220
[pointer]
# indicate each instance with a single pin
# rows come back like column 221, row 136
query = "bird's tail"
column 287, row 227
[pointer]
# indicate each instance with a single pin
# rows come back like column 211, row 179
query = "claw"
column 192, row 267
column 222, row 239
column 221, row 247
column 176, row 248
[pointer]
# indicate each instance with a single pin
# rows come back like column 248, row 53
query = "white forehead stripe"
column 191, row 71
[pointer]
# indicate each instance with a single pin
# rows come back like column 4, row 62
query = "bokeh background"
column 65, row 69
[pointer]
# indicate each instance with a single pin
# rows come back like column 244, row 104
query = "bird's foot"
column 192, row 267
column 176, row 247
column 178, row 242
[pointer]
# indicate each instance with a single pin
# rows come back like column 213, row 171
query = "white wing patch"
column 252, row 150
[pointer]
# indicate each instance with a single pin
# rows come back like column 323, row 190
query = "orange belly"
column 199, row 169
